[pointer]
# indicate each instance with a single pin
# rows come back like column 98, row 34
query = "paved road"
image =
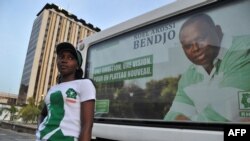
column 10, row 135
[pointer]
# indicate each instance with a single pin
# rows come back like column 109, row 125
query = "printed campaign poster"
column 193, row 67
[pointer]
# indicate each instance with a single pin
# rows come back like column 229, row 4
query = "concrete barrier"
column 31, row 129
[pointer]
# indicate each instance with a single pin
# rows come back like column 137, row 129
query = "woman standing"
column 69, row 110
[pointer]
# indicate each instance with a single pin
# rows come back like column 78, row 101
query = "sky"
column 17, row 17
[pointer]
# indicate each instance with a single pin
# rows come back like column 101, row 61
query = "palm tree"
column 29, row 112
column 12, row 111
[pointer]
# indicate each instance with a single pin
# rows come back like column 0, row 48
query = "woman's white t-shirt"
column 63, row 102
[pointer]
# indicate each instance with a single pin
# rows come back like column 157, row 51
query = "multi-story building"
column 8, row 98
column 52, row 26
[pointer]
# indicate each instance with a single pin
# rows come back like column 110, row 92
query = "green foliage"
column 131, row 101
column 41, row 105
column 30, row 112
column 12, row 111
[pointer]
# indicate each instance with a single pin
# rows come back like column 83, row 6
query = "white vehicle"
column 141, row 69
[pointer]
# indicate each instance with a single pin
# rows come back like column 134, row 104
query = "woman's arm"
column 43, row 114
column 87, row 116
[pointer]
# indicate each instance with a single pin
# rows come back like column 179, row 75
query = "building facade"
column 52, row 26
column 7, row 98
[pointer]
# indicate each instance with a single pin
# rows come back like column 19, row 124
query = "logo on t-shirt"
column 71, row 95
